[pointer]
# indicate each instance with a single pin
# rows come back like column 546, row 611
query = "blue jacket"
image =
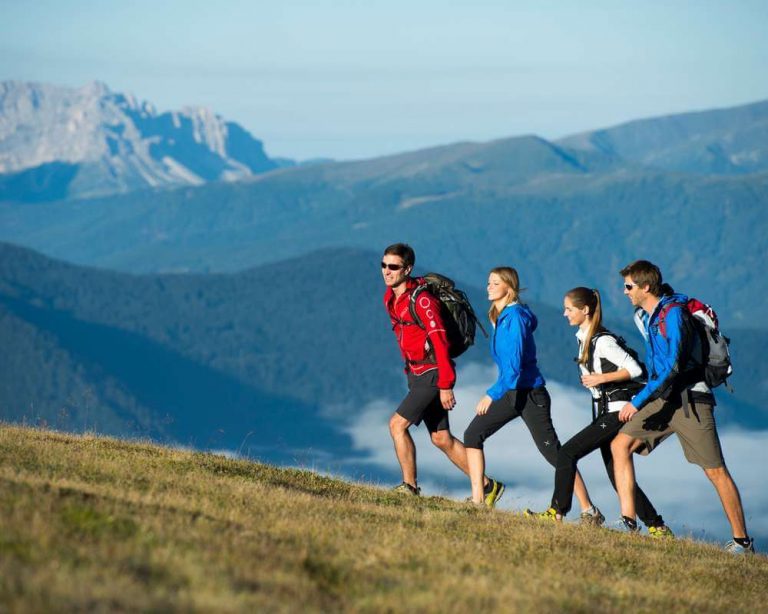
column 514, row 351
column 666, row 357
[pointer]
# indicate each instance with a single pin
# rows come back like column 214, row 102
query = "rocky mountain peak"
column 99, row 142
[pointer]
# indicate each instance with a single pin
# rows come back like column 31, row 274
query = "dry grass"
column 88, row 523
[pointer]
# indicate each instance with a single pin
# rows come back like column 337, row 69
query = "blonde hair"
column 511, row 279
column 590, row 298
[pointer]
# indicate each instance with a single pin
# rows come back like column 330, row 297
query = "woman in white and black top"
column 609, row 371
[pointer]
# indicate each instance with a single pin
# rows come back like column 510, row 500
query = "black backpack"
column 623, row 345
column 456, row 311
column 615, row 391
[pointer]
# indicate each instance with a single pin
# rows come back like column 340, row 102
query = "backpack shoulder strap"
column 592, row 345
column 422, row 287
column 662, row 319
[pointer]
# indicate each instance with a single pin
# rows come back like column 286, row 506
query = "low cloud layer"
column 680, row 491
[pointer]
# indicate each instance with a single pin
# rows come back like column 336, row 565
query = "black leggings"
column 599, row 434
column 533, row 406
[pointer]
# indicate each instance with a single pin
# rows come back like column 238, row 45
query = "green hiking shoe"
column 493, row 492
column 592, row 518
column 550, row 514
column 406, row 489
column 661, row 532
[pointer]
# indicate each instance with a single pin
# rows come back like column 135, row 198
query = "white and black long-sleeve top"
column 607, row 348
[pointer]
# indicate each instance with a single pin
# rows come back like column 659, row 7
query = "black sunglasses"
column 629, row 286
column 392, row 267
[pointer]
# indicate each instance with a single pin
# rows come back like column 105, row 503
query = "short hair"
column 403, row 250
column 644, row 273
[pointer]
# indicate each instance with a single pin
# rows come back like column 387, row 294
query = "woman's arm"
column 510, row 334
column 626, row 366
column 592, row 380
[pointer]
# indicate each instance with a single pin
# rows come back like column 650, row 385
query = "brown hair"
column 644, row 273
column 510, row 277
column 590, row 298
column 404, row 251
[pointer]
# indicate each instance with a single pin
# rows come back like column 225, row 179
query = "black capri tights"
column 533, row 406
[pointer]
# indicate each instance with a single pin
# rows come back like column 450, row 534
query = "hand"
column 483, row 405
column 592, row 380
column 447, row 400
column 626, row 412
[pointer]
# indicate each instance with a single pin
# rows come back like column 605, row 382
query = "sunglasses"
column 392, row 267
column 629, row 286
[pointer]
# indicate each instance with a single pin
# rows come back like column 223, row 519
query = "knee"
column 442, row 439
column 473, row 438
column 621, row 446
column 717, row 474
column 567, row 453
column 550, row 454
column 397, row 425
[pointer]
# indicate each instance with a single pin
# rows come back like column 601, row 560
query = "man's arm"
column 667, row 366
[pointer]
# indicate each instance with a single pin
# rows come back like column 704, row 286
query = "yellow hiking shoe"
column 661, row 532
column 493, row 492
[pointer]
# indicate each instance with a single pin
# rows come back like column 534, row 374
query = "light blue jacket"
column 514, row 351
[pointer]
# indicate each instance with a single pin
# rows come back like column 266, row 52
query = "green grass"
column 89, row 523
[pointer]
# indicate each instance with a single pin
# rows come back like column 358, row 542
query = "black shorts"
column 423, row 402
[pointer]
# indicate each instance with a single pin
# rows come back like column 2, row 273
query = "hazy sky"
column 351, row 79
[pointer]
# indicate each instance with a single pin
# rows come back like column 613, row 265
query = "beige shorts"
column 695, row 427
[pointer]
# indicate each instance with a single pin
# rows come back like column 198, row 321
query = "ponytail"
column 590, row 298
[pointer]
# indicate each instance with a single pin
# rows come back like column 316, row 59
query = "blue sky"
column 357, row 79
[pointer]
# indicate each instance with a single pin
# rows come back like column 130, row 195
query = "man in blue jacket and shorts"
column 674, row 400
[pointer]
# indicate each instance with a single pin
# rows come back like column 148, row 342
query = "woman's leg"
column 481, row 428
column 586, row 441
column 476, row 462
column 535, row 409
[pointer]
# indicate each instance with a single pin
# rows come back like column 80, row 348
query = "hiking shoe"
column 407, row 489
column 493, row 492
column 661, row 532
column 624, row 525
column 594, row 518
column 550, row 514
column 735, row 547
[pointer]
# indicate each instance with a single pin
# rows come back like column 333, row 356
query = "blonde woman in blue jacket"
column 519, row 391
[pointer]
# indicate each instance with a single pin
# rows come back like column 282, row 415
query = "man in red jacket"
column 430, row 371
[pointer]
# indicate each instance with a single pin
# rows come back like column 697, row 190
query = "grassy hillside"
column 88, row 523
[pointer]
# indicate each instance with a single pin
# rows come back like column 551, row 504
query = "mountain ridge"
column 200, row 358
column 115, row 142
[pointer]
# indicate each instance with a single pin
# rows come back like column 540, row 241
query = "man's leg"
column 452, row 448
column 643, row 506
column 647, row 428
column 622, row 448
column 420, row 402
column 698, row 436
column 405, row 450
column 730, row 498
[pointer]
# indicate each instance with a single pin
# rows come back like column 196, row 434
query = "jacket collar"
column 389, row 295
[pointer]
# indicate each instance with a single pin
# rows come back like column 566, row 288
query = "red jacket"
column 412, row 339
